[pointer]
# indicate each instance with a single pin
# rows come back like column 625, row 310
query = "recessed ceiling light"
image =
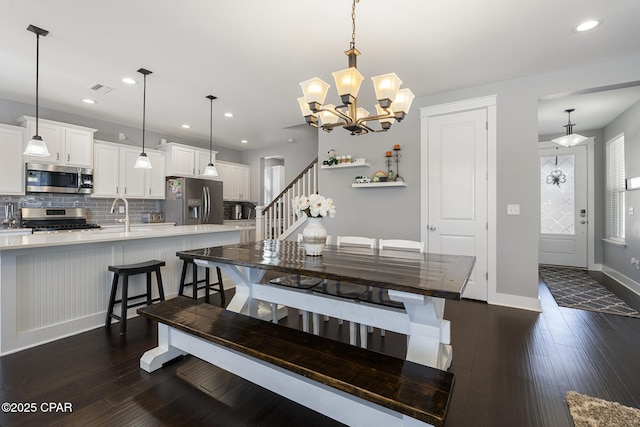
column 244, row 141
column 228, row 114
column 290, row 140
column 587, row 25
column 88, row 101
column 128, row 80
column 186, row 126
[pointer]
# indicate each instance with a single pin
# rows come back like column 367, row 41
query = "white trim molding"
column 516, row 301
column 625, row 281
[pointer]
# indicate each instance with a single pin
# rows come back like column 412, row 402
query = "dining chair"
column 344, row 290
column 380, row 296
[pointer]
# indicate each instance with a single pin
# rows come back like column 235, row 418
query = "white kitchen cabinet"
column 68, row 145
column 106, row 178
column 11, row 162
column 131, row 179
column 235, row 178
column 202, row 160
column 184, row 160
column 115, row 176
column 156, row 177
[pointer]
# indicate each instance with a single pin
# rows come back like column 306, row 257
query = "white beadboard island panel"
column 56, row 285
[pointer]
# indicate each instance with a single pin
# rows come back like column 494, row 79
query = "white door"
column 457, row 191
column 563, row 206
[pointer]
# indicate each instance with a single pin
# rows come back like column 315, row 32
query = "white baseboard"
column 515, row 301
column 628, row 283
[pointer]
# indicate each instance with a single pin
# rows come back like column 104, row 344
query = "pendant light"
column 210, row 170
column 36, row 146
column 143, row 162
column 570, row 139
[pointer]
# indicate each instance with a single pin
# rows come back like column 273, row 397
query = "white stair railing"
column 277, row 220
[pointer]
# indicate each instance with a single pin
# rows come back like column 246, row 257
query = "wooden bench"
column 353, row 385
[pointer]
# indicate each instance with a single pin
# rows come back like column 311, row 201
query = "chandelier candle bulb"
column 388, row 154
column 396, row 147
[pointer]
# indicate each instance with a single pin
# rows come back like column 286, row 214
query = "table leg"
column 429, row 339
column 243, row 301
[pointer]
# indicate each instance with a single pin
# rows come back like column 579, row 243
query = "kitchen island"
column 55, row 285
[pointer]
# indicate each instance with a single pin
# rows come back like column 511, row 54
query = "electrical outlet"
column 633, row 261
column 120, row 209
column 632, row 212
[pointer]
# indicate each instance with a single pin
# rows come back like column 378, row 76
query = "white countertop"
column 109, row 234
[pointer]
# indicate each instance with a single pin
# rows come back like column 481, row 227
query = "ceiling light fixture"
column 186, row 126
column 393, row 102
column 36, row 146
column 128, row 80
column 210, row 170
column 244, row 141
column 143, row 162
column 587, row 25
column 228, row 114
column 569, row 139
column 88, row 101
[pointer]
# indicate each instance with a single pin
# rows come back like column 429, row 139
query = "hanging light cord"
column 144, row 108
column 353, row 24
column 37, row 77
column 211, row 134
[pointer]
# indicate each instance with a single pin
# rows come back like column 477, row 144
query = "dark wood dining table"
column 421, row 281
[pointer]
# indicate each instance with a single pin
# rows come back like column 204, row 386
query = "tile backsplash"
column 97, row 209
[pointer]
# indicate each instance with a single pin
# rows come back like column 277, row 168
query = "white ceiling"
column 252, row 54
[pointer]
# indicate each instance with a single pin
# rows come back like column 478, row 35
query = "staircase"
column 277, row 220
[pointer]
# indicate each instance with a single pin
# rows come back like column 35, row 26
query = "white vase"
column 314, row 236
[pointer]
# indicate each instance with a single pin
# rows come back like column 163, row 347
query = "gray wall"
column 396, row 212
column 297, row 155
column 616, row 257
column 107, row 131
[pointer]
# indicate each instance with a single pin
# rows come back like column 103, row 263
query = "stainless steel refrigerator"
column 191, row 201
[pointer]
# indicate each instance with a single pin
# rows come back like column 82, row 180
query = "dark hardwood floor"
column 513, row 368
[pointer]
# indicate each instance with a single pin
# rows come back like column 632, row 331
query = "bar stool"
column 195, row 284
column 125, row 271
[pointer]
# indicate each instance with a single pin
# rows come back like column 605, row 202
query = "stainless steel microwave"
column 43, row 178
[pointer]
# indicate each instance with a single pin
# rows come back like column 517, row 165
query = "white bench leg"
column 153, row 359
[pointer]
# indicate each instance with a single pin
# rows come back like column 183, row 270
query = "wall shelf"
column 346, row 165
column 380, row 184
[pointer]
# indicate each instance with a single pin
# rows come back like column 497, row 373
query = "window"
column 615, row 189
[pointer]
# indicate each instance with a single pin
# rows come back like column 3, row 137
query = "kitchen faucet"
column 127, row 228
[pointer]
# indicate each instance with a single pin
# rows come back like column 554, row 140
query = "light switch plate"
column 513, row 209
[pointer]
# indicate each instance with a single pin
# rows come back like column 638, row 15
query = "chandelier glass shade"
column 143, row 162
column 210, row 170
column 393, row 102
column 36, row 146
column 569, row 139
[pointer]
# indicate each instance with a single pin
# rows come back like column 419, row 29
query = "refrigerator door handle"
column 203, row 218
column 207, row 205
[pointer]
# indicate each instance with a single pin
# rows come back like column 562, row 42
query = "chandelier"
column 393, row 102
